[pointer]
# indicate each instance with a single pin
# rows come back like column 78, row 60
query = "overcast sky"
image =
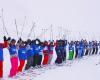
column 83, row 15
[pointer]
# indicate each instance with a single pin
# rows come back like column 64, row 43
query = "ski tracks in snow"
column 32, row 73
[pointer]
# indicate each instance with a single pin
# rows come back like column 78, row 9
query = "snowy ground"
column 83, row 69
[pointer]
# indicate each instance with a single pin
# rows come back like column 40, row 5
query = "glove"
column 5, row 39
column 9, row 38
column 20, row 39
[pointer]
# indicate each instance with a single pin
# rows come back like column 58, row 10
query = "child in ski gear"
column 64, row 43
column 41, row 48
column 80, row 50
column 87, row 48
column 62, row 49
column 22, row 55
column 90, row 48
column 76, row 48
column 30, row 54
column 36, row 47
column 71, row 51
column 2, row 45
column 59, row 58
column 99, row 47
column 94, row 47
column 50, row 52
column 13, row 58
column 45, row 53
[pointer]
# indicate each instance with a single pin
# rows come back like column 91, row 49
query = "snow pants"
column 87, row 52
column 45, row 60
column 14, row 66
column 1, row 69
column 80, row 52
column 39, row 60
column 29, row 62
column 71, row 53
column 50, row 58
column 76, row 53
column 35, row 60
column 93, row 52
column 96, row 50
column 59, row 60
column 90, row 51
column 64, row 55
column 21, row 65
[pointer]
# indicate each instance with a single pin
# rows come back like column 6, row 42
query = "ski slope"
column 87, row 68
column 75, row 18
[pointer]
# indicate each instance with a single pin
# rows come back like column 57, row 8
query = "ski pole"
column 51, row 33
column 43, row 32
column 34, row 32
column 59, row 32
column 1, row 30
column 17, row 29
column 31, row 30
column 4, row 27
column 40, row 34
column 23, row 27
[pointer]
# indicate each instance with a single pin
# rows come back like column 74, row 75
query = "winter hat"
column 13, row 40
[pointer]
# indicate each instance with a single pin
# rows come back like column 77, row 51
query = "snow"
column 87, row 68
column 80, row 70
column 75, row 18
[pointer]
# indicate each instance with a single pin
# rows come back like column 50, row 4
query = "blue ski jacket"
column 12, row 49
column 30, row 51
column 2, row 45
column 22, row 53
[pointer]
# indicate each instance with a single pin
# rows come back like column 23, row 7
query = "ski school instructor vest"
column 1, row 54
column 22, row 53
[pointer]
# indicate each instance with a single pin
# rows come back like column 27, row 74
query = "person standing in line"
column 22, row 55
column 71, row 51
column 2, row 46
column 45, row 53
column 13, row 58
column 50, row 52
column 30, row 54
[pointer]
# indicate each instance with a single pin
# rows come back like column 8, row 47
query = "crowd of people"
column 37, row 53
